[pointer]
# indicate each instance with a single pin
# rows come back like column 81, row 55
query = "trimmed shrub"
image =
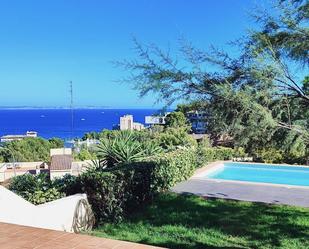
column 106, row 192
column 210, row 154
column 173, row 167
column 116, row 192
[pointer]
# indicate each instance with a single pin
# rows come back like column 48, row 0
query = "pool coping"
column 214, row 165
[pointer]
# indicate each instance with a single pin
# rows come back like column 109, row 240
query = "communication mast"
column 72, row 110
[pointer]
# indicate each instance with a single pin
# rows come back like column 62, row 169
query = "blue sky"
column 45, row 44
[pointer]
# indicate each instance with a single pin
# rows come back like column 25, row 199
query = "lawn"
column 188, row 222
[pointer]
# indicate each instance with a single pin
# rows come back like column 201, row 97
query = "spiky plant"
column 122, row 149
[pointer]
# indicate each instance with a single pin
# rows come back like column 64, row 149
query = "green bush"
column 210, row 154
column 40, row 196
column 84, row 154
column 118, row 191
column 269, row 155
column 68, row 184
column 173, row 167
column 35, row 189
column 113, row 192
column 239, row 152
column 106, row 192
column 24, row 185
column 173, row 138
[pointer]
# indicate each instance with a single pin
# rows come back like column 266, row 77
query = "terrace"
column 22, row 237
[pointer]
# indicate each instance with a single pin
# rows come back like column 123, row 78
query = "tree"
column 254, row 97
column 29, row 149
column 195, row 105
column 177, row 120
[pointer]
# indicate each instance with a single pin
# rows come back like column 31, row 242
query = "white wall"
column 61, row 151
column 55, row 215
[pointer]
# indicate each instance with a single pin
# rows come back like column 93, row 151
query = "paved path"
column 245, row 192
column 22, row 237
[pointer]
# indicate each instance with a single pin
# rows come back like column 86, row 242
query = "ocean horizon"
column 56, row 122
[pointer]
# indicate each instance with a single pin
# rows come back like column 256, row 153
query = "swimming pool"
column 261, row 173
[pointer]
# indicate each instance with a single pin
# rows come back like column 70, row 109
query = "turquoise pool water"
column 291, row 175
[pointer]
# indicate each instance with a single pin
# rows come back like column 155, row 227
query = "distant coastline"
column 76, row 107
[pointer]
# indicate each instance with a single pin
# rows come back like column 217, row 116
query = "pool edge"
column 215, row 165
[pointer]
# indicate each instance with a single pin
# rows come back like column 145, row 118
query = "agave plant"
column 123, row 148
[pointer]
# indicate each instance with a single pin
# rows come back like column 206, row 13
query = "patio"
column 245, row 191
column 22, row 237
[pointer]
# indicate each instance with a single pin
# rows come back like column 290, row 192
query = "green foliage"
column 115, row 193
column 91, row 135
column 41, row 197
column 84, row 154
column 56, row 143
column 205, row 142
column 27, row 183
column 210, row 154
column 173, row 167
column 177, row 120
column 68, row 184
column 29, row 149
column 36, row 189
column 239, row 152
column 269, row 155
column 40, row 189
column 124, row 148
column 195, row 105
column 106, row 194
column 252, row 97
column 173, row 138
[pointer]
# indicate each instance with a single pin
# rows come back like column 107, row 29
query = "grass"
column 190, row 222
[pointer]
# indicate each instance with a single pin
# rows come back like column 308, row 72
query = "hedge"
column 171, row 168
column 116, row 193
column 210, row 154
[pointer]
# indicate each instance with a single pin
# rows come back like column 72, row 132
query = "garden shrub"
column 35, row 189
column 40, row 196
column 68, row 184
column 106, row 192
column 269, row 155
column 26, row 184
column 116, row 192
column 173, row 138
column 113, row 192
column 173, row 167
column 239, row 152
column 210, row 154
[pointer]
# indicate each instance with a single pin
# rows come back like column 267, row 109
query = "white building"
column 127, row 123
column 155, row 120
column 10, row 138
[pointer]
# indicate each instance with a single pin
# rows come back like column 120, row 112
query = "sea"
column 57, row 122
